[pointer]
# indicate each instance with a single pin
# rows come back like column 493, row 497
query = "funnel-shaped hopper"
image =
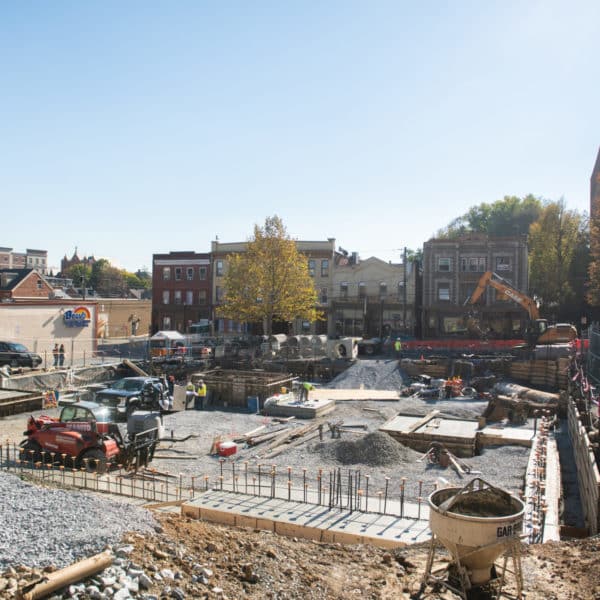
column 477, row 524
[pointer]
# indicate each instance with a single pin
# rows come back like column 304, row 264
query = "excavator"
column 538, row 331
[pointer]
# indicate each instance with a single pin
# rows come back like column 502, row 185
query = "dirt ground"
column 253, row 564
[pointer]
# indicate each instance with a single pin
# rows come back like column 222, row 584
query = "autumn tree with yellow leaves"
column 269, row 281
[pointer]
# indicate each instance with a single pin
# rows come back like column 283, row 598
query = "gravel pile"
column 375, row 449
column 371, row 375
column 54, row 526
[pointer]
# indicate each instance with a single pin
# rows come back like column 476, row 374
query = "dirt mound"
column 370, row 375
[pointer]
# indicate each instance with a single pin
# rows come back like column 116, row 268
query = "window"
column 219, row 293
column 190, row 274
column 39, row 284
column 443, row 291
column 177, row 273
column 166, row 273
column 382, row 289
column 473, row 264
column 444, row 264
column 219, row 268
column 177, row 297
column 401, row 290
column 362, row 289
column 344, row 289
column 323, row 296
column 312, row 265
column 165, row 296
column 503, row 263
column 202, row 273
column 201, row 296
column 189, row 297
column 325, row 268
column 167, row 323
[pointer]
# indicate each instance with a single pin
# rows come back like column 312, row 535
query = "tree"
column 593, row 285
column 270, row 281
column 80, row 274
column 553, row 241
column 503, row 218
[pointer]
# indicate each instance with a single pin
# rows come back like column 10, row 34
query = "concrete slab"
column 439, row 426
column 494, row 436
column 311, row 521
column 288, row 405
column 341, row 395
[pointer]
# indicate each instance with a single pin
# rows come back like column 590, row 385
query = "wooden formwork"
column 544, row 373
column 232, row 388
column 588, row 476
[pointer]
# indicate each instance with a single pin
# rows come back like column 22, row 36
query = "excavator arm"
column 489, row 278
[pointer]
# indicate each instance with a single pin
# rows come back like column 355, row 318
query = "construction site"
column 431, row 475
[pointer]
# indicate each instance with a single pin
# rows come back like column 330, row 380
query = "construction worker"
column 200, row 395
column 398, row 348
column 190, row 392
column 305, row 389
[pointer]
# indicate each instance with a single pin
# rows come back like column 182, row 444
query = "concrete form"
column 308, row 521
column 340, row 395
column 458, row 435
column 494, row 435
column 288, row 405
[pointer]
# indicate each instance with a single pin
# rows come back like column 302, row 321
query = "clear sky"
column 138, row 127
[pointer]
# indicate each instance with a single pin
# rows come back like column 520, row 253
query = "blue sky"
column 132, row 128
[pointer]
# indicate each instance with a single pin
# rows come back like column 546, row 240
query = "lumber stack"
column 542, row 373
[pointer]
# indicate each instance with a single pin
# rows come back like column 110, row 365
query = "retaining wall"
column 588, row 476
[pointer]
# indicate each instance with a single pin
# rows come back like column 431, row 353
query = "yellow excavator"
column 538, row 331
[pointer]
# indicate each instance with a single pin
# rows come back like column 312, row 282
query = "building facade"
column 451, row 271
column 319, row 254
column 371, row 298
column 23, row 284
column 181, row 290
column 30, row 259
column 67, row 263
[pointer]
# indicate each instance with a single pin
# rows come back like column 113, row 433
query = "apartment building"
column 451, row 270
column 319, row 255
column 30, row 259
column 181, row 290
column 372, row 298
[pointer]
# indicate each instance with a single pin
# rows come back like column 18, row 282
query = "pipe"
column 68, row 575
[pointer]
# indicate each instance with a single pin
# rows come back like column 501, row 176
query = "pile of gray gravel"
column 47, row 526
column 375, row 449
column 371, row 375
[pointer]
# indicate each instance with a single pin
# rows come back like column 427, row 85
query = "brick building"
column 30, row 259
column 181, row 290
column 451, row 270
column 23, row 284
column 67, row 263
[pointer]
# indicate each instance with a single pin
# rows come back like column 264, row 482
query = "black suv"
column 17, row 355
column 130, row 394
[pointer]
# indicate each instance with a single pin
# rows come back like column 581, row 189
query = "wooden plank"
column 422, row 421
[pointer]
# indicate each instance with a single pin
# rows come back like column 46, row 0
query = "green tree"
column 507, row 217
column 80, row 274
column 270, row 281
column 553, row 241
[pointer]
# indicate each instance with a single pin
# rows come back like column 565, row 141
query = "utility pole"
column 404, row 292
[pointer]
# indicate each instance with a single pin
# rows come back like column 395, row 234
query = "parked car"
column 129, row 394
column 17, row 355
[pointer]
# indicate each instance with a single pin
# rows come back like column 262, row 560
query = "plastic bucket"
column 252, row 402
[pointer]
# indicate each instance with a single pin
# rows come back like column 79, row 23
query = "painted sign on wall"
column 78, row 317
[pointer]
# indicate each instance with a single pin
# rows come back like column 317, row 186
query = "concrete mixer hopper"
column 477, row 524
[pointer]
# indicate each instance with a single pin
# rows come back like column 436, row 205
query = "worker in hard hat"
column 398, row 348
column 200, row 395
column 190, row 393
column 305, row 389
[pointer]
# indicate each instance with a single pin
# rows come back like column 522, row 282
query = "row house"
column 30, row 259
column 372, row 298
column 181, row 290
column 451, row 271
column 319, row 255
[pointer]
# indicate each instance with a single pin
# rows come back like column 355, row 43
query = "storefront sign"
column 78, row 317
